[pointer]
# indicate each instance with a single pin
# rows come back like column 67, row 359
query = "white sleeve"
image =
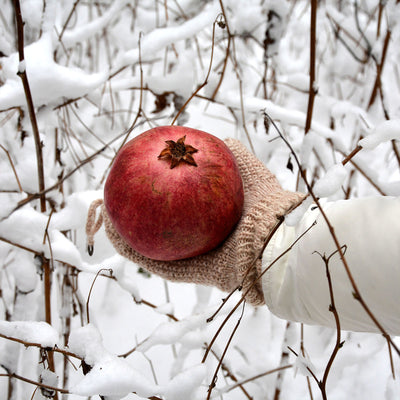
column 296, row 286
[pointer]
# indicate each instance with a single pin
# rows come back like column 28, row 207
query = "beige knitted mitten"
column 235, row 263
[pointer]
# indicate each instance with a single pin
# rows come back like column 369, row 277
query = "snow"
column 147, row 337
column 114, row 376
column 86, row 31
column 165, row 309
column 21, row 66
column 50, row 83
column 24, row 272
column 32, row 12
column 160, row 38
column 15, row 227
column 183, row 385
column 388, row 130
column 331, row 182
column 109, row 375
column 48, row 378
column 30, row 331
column 295, row 216
column 172, row 332
column 179, row 81
column 304, row 366
column 123, row 273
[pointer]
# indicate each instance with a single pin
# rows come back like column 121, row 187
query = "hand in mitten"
column 237, row 261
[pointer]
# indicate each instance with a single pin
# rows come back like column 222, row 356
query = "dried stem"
column 312, row 90
column 28, row 95
column 351, row 155
column 91, row 289
column 258, row 376
column 227, row 52
column 13, row 167
column 308, row 368
column 396, row 152
column 283, row 361
column 40, row 346
column 214, row 378
column 38, row 384
column 379, row 68
column 39, row 159
column 205, row 80
column 34, row 196
column 303, row 352
column 139, row 112
column 248, row 290
column 332, row 308
column 238, row 384
column 68, row 19
column 356, row 291
column 360, row 170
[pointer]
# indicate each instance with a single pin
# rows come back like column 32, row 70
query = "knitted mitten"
column 235, row 263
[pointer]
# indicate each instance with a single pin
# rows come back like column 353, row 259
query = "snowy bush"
column 100, row 73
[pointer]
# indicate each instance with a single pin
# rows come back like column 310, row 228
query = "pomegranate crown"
column 177, row 152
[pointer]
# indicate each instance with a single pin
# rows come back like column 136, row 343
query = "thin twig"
column 250, row 267
column 356, row 150
column 39, row 160
column 68, row 19
column 396, row 152
column 356, row 291
column 214, row 378
column 139, row 112
column 28, row 95
column 34, row 196
column 303, row 352
column 40, row 346
column 391, row 359
column 307, row 368
column 227, row 51
column 91, row 289
column 219, row 330
column 351, row 155
column 205, row 80
column 13, row 167
column 332, row 308
column 38, row 384
column 312, row 88
column 283, row 361
column 237, row 384
column 379, row 68
column 261, row 375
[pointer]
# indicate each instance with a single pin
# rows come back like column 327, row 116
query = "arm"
column 296, row 286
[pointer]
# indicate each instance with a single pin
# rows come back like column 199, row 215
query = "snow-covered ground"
column 103, row 72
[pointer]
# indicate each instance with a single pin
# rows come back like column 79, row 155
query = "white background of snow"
column 167, row 360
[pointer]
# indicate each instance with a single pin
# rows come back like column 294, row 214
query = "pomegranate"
column 174, row 192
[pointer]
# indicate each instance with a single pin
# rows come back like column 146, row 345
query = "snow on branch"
column 85, row 31
column 331, row 182
column 158, row 39
column 384, row 132
column 30, row 331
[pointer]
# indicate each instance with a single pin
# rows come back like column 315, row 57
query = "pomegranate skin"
column 170, row 214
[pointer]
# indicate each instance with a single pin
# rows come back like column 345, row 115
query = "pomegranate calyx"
column 178, row 151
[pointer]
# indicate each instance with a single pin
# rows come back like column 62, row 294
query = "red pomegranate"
column 174, row 192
